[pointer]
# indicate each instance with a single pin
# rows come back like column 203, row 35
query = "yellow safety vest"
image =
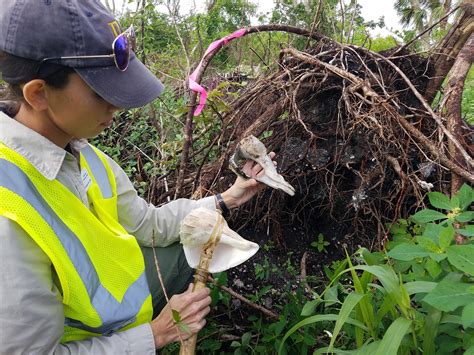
column 99, row 265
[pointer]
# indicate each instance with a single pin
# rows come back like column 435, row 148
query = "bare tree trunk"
column 448, row 49
column 343, row 21
column 350, row 34
column 453, row 98
column 210, row 4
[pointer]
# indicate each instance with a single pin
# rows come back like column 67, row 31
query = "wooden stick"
column 243, row 299
column 188, row 347
column 162, row 283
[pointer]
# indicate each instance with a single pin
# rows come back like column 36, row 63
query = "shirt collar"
column 43, row 154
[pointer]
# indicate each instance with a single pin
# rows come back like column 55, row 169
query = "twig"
column 316, row 21
column 243, row 299
column 303, row 272
column 160, row 278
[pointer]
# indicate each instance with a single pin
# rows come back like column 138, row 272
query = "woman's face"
column 77, row 111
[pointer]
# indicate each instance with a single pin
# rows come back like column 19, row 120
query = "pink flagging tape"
column 193, row 85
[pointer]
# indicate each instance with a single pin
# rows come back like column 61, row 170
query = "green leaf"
column 446, row 237
column 418, row 270
column 439, row 200
column 330, row 297
column 467, row 231
column 365, row 349
column 393, row 337
column 309, row 307
column 374, row 258
column 432, row 320
column 388, row 305
column 385, row 274
column 419, row 287
column 433, row 231
column 280, row 325
column 364, row 309
column 468, row 316
column 176, row 316
column 246, row 337
column 428, row 244
column 315, row 319
column 455, row 202
column 466, row 196
column 407, row 252
column 433, row 268
column 235, row 344
column 184, row 328
column 449, row 294
column 438, row 257
column 465, row 217
column 427, row 215
column 391, row 283
column 462, row 257
column 349, row 303
column 470, row 350
column 451, row 319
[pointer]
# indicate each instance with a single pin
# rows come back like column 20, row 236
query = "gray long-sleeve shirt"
column 31, row 311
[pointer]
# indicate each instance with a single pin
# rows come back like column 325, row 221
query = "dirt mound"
column 338, row 118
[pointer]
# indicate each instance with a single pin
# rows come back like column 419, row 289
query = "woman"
column 77, row 269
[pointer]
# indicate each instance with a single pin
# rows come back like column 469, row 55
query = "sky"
column 371, row 10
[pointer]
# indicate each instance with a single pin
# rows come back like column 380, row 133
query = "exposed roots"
column 353, row 135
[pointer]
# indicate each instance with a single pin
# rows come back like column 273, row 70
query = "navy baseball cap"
column 32, row 30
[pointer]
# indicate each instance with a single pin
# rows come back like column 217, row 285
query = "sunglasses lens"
column 122, row 52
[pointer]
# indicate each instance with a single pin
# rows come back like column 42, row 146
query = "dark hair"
column 17, row 71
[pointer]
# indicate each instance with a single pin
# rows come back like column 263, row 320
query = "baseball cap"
column 32, row 30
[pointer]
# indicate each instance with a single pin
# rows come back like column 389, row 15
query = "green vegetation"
column 147, row 142
column 320, row 244
column 416, row 297
column 467, row 105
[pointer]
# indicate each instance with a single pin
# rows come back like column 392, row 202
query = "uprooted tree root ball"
column 352, row 133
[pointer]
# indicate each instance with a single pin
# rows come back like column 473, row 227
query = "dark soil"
column 337, row 119
column 346, row 191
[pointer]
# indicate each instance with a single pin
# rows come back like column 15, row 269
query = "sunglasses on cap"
column 122, row 46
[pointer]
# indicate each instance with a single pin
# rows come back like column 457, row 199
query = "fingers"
column 190, row 303
column 190, row 296
column 196, row 309
column 192, row 307
column 253, row 169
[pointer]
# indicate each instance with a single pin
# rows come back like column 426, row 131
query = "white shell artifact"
column 251, row 148
column 195, row 231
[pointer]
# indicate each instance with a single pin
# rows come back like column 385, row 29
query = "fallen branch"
column 243, row 299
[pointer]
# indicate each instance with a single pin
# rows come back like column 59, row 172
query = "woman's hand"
column 192, row 308
column 243, row 190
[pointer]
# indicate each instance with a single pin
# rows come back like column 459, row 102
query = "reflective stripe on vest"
column 111, row 312
column 98, row 170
